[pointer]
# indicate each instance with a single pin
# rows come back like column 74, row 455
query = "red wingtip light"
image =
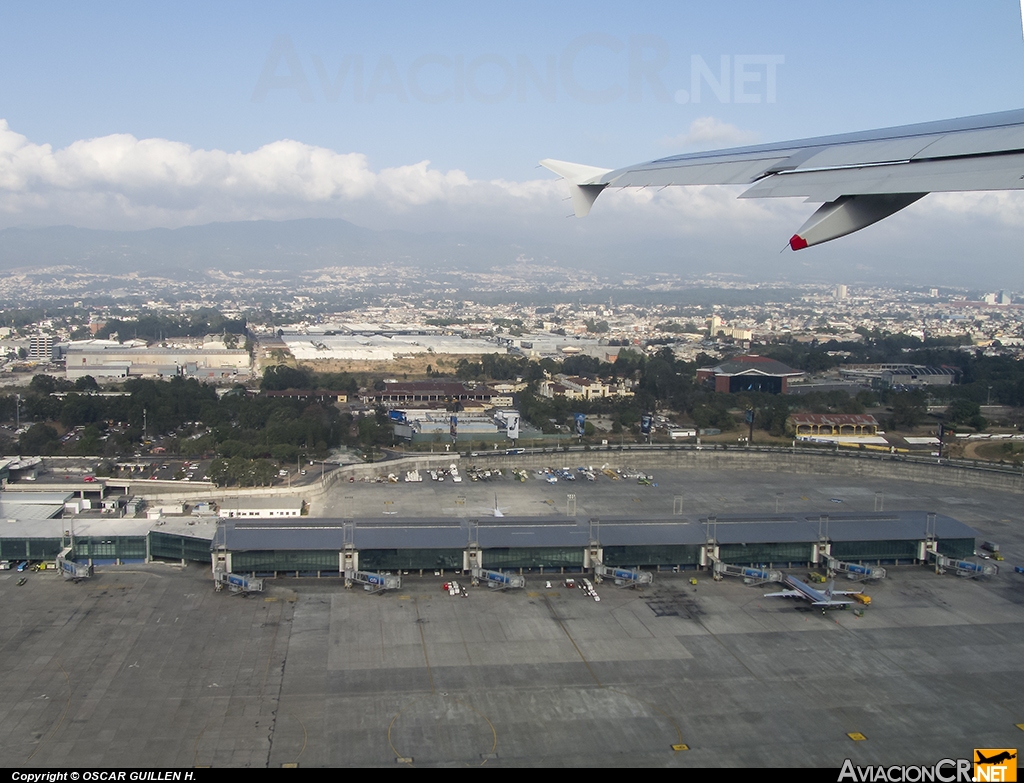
column 797, row 242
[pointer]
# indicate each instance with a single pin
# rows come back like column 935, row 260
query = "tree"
column 962, row 410
column 86, row 383
column 218, row 472
column 281, row 377
column 909, row 408
column 43, row 384
column 39, row 439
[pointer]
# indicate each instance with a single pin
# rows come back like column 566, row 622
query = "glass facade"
column 681, row 554
column 530, row 558
column 264, row 561
column 409, row 559
column 875, row 550
column 29, row 548
column 172, row 547
column 110, row 548
column 956, row 547
column 756, row 554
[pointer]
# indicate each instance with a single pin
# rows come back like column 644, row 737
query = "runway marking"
column 304, row 737
column 423, row 641
column 856, row 736
column 195, row 749
column 62, row 717
column 409, row 759
column 21, row 624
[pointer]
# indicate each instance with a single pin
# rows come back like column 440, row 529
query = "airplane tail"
column 580, row 178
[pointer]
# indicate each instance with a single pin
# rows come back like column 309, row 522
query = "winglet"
column 582, row 188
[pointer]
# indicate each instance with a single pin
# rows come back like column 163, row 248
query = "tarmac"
column 146, row 665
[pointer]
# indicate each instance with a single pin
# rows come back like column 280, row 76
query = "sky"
column 433, row 117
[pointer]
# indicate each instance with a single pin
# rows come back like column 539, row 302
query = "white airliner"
column 860, row 177
column 822, row 599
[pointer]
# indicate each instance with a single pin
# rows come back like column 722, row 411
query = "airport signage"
column 645, row 423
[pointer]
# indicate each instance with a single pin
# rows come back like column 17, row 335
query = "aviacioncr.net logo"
column 995, row 764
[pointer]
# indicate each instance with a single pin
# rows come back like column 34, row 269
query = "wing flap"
column 721, row 172
column 869, row 152
column 996, row 172
column 983, row 141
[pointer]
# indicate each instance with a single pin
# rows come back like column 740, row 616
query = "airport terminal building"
column 288, row 544
column 319, row 547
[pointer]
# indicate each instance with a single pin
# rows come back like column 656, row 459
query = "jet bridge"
column 622, row 577
column 372, row 582
column 963, row 568
column 497, row 580
column 853, row 571
column 69, row 568
column 237, row 583
column 750, row 576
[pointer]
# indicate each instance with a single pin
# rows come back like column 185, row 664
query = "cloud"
column 708, row 132
column 121, row 182
column 124, row 182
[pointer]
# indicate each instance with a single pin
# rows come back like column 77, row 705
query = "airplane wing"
column 861, row 177
column 786, row 594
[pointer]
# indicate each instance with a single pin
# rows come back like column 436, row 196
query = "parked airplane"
column 861, row 177
column 823, row 599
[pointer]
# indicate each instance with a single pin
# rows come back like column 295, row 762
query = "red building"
column 748, row 373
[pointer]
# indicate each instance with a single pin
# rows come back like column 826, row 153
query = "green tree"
column 962, row 410
column 39, row 439
column 908, row 408
column 218, row 472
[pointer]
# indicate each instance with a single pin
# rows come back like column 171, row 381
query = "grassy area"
column 999, row 451
column 410, row 367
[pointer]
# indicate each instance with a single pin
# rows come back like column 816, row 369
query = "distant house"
column 575, row 387
column 748, row 373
